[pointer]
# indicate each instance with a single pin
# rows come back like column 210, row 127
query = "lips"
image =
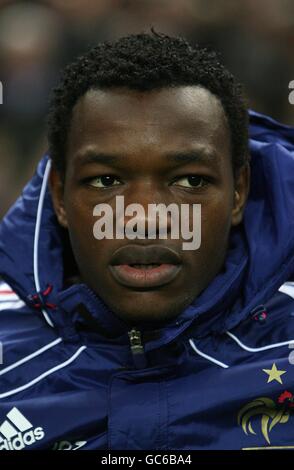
column 144, row 266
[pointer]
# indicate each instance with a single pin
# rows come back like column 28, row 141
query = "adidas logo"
column 18, row 432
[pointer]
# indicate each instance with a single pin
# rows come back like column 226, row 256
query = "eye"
column 104, row 181
column 191, row 181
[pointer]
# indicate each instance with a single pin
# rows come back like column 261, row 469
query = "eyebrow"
column 96, row 157
column 202, row 156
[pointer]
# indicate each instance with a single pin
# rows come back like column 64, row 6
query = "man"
column 135, row 342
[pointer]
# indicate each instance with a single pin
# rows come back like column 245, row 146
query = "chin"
column 149, row 316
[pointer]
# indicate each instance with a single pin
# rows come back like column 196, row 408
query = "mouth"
column 145, row 267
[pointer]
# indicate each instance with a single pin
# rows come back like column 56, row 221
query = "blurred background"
column 37, row 38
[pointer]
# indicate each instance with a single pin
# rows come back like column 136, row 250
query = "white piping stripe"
column 263, row 348
column 5, row 286
column 6, row 293
column 37, row 234
column 288, row 289
column 209, row 358
column 11, row 305
column 45, row 374
column 30, row 356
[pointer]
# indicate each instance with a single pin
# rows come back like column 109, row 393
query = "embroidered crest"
column 270, row 413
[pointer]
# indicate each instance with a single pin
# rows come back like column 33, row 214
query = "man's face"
column 163, row 146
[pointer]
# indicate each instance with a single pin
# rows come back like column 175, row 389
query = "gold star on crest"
column 274, row 374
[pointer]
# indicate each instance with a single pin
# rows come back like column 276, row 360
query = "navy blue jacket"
column 219, row 376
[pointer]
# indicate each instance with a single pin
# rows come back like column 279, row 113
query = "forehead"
column 167, row 118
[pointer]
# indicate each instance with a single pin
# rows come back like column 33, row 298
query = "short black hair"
column 145, row 62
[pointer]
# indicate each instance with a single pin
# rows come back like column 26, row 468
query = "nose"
column 148, row 211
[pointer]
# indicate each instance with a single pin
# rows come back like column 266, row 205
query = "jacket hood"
column 260, row 256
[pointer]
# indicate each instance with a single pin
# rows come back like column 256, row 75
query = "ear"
column 56, row 185
column 242, row 184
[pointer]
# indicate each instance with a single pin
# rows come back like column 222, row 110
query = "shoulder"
column 266, row 334
column 22, row 330
column 269, row 329
column 272, row 322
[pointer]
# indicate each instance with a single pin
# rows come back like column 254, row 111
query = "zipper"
column 137, row 348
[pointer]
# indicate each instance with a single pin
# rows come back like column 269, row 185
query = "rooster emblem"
column 271, row 413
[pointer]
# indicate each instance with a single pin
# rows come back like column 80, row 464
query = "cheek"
column 206, row 262
column 88, row 251
column 215, row 225
column 217, row 218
